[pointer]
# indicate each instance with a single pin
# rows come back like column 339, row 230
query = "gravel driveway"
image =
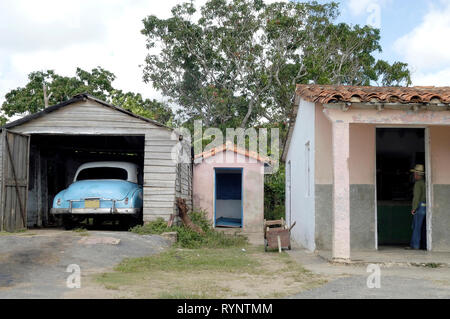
column 392, row 287
column 33, row 264
column 396, row 281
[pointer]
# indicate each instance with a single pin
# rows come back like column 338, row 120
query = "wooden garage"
column 40, row 153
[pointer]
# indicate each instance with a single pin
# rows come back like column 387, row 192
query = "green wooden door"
column 394, row 224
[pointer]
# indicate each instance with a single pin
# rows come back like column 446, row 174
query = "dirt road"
column 33, row 264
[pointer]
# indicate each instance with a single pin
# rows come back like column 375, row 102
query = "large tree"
column 149, row 108
column 236, row 63
column 30, row 98
column 97, row 82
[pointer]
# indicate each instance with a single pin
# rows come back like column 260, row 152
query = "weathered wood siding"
column 14, row 182
column 159, row 177
column 183, row 184
column 2, row 137
column 37, row 208
column 160, row 169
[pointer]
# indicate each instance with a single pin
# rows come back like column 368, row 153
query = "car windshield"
column 102, row 173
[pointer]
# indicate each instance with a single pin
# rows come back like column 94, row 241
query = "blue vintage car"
column 102, row 190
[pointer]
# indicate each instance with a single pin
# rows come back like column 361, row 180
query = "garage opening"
column 54, row 160
column 398, row 151
column 228, row 197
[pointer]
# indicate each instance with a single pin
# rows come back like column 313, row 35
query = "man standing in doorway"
column 419, row 206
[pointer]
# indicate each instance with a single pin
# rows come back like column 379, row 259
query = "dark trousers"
column 417, row 226
column 423, row 240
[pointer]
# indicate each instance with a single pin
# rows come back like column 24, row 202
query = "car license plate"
column 92, row 203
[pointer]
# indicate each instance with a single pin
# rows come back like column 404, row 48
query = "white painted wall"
column 301, row 208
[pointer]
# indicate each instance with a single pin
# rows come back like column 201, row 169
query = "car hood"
column 107, row 189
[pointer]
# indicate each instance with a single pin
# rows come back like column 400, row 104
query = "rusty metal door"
column 13, row 201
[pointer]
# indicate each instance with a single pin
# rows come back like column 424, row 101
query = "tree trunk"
column 182, row 207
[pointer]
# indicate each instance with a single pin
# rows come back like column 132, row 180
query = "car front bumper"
column 95, row 211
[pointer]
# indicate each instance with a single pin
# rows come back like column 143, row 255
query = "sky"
column 63, row 35
column 416, row 32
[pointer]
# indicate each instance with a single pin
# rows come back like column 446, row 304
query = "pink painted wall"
column 362, row 151
column 389, row 116
column 440, row 154
column 253, row 188
column 362, row 154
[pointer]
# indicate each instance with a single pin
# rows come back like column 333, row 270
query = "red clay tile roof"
column 234, row 148
column 371, row 94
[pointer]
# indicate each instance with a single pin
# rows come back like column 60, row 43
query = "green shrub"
column 200, row 219
column 274, row 194
column 188, row 238
column 216, row 239
column 155, row 227
column 276, row 212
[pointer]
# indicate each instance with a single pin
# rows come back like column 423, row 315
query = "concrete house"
column 39, row 155
column 348, row 157
column 228, row 183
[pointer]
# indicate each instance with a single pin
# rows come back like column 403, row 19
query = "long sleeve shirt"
column 420, row 194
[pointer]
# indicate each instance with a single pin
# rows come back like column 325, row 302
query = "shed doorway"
column 398, row 150
column 228, row 197
column 54, row 160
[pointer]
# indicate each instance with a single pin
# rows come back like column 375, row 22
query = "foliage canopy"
column 236, row 62
column 97, row 82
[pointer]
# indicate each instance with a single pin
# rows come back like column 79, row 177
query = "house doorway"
column 397, row 151
column 228, row 197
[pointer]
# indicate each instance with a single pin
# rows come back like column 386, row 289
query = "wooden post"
column 279, row 244
column 43, row 191
column 38, row 190
column 2, row 181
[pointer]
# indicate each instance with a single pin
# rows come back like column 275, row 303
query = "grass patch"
column 156, row 227
column 28, row 234
column 114, row 280
column 210, row 273
column 188, row 238
column 182, row 295
column 429, row 265
column 213, row 265
column 433, row 265
column 16, row 232
column 179, row 260
column 81, row 231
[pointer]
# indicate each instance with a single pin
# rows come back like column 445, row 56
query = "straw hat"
column 419, row 169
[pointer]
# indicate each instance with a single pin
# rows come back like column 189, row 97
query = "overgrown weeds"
column 181, row 260
column 15, row 232
column 428, row 265
column 188, row 238
column 81, row 231
column 231, row 272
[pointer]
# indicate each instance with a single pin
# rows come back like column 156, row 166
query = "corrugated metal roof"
column 77, row 98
